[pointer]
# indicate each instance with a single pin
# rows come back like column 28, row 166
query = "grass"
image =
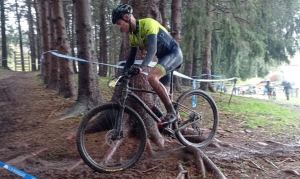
column 256, row 113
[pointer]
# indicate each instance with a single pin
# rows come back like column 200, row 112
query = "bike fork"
column 117, row 127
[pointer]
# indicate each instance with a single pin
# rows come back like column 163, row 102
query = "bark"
column 175, row 32
column 73, row 37
column 195, row 65
column 206, row 57
column 53, row 82
column 144, row 8
column 103, row 58
column 46, row 46
column 176, row 20
column 188, row 64
column 3, row 35
column 67, row 84
column 163, row 11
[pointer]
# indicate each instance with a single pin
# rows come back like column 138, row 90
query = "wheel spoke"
column 95, row 141
column 199, row 118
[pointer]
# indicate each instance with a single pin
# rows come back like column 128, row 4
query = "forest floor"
column 34, row 141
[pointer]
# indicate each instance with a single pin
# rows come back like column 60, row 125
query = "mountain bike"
column 112, row 137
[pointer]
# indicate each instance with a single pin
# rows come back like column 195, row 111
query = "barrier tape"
column 17, row 171
column 137, row 62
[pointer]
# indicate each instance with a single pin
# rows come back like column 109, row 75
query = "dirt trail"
column 37, row 143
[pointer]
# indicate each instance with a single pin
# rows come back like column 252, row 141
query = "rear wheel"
column 198, row 118
column 98, row 148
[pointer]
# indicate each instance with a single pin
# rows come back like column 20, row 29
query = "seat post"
column 171, row 84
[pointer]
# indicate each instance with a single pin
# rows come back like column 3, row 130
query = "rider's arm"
column 152, row 48
column 131, row 58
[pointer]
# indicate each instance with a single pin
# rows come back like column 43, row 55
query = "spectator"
column 269, row 87
column 287, row 90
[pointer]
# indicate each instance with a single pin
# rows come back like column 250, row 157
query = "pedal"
column 169, row 131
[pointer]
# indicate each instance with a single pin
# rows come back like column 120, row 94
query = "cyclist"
column 149, row 34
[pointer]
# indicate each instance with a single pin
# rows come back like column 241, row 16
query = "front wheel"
column 198, row 118
column 96, row 142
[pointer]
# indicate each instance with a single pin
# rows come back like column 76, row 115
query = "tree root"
column 270, row 162
column 254, row 165
column 77, row 109
column 293, row 172
column 202, row 162
column 198, row 139
column 183, row 174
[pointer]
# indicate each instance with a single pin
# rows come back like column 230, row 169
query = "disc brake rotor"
column 108, row 138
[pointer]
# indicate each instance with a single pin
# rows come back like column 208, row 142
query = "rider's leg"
column 163, row 69
column 153, row 77
column 168, row 89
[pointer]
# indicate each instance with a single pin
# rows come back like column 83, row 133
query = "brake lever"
column 113, row 83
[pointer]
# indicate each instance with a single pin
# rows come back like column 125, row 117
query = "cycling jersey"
column 146, row 27
column 153, row 37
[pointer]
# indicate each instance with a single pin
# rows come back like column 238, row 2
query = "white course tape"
column 137, row 62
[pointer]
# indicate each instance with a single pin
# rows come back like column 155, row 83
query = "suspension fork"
column 118, row 133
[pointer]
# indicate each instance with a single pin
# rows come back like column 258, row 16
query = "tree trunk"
column 31, row 36
column 189, row 63
column 195, row 67
column 163, row 9
column 46, row 46
column 53, row 82
column 175, row 32
column 20, row 35
column 39, row 39
column 88, row 84
column 3, row 35
column 73, row 36
column 67, row 84
column 206, row 58
column 103, row 58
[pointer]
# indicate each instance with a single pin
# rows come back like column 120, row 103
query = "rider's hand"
column 143, row 69
column 132, row 71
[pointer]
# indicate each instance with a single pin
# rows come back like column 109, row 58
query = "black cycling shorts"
column 169, row 63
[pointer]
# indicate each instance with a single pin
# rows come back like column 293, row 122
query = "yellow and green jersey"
column 146, row 27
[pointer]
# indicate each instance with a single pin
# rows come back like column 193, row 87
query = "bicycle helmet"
column 119, row 11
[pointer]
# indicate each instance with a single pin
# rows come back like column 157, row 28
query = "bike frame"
column 129, row 91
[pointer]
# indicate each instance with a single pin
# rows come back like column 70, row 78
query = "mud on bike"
column 112, row 137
